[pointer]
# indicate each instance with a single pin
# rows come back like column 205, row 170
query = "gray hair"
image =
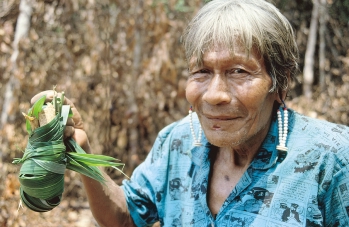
column 251, row 23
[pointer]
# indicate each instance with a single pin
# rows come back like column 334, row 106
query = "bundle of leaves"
column 48, row 155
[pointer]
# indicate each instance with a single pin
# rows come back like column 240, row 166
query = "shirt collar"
column 267, row 154
column 200, row 154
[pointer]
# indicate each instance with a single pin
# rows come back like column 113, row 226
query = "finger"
column 48, row 93
column 81, row 138
column 49, row 96
column 68, row 132
column 78, row 123
column 70, row 122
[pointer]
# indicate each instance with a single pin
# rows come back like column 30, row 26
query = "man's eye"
column 200, row 75
column 203, row 71
column 237, row 71
column 200, row 72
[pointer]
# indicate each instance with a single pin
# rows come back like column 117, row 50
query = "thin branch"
column 308, row 70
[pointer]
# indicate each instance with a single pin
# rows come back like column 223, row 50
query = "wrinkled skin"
column 231, row 97
column 230, row 94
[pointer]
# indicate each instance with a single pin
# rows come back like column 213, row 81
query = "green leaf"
column 95, row 160
column 90, row 171
column 45, row 160
column 28, row 126
column 37, row 107
column 70, row 113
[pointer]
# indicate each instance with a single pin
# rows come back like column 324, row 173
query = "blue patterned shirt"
column 308, row 186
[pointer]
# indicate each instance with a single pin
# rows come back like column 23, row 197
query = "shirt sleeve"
column 147, row 182
column 336, row 200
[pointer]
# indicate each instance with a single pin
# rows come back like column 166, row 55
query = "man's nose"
column 217, row 92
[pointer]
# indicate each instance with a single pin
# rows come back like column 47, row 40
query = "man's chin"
column 224, row 139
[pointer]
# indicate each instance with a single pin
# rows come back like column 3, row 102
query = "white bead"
column 196, row 142
column 283, row 128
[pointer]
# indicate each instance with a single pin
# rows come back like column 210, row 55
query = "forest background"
column 123, row 65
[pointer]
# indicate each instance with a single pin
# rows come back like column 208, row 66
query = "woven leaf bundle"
column 45, row 158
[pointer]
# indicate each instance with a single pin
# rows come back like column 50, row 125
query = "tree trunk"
column 132, row 100
column 322, row 57
column 22, row 28
column 308, row 71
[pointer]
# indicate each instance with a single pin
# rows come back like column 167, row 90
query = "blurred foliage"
column 123, row 65
column 339, row 11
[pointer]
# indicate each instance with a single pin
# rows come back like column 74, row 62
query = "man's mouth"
column 220, row 117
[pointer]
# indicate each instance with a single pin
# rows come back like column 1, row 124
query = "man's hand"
column 107, row 202
column 74, row 127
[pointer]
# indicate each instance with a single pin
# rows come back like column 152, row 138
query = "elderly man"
column 236, row 160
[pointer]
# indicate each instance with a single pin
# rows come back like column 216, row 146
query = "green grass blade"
column 45, row 159
column 37, row 107
column 89, row 171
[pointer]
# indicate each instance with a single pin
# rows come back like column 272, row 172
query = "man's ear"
column 282, row 93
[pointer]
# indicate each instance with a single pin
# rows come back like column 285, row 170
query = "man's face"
column 231, row 96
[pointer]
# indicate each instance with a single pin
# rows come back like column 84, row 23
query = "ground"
column 72, row 212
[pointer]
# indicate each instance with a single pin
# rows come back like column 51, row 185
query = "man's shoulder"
column 319, row 132
column 319, row 124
